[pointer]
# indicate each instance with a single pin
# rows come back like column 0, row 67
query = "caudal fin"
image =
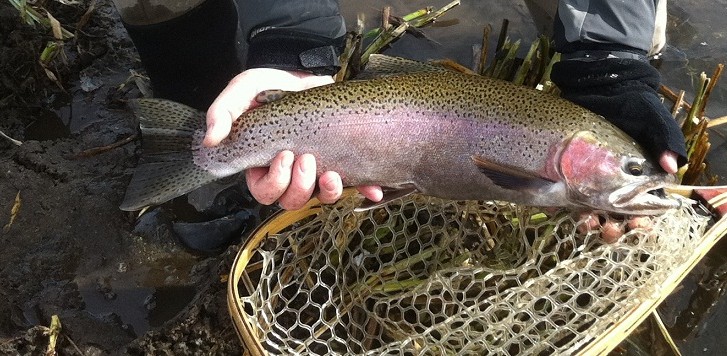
column 166, row 169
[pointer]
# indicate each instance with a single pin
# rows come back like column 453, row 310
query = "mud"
column 70, row 251
column 125, row 287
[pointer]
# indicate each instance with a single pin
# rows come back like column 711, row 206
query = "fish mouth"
column 643, row 199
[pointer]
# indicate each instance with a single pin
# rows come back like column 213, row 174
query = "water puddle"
column 141, row 295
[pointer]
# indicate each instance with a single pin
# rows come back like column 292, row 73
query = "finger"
column 267, row 185
column 235, row 99
column 668, row 161
column 589, row 222
column 640, row 222
column 331, row 187
column 302, row 183
column 316, row 80
column 371, row 192
column 611, row 230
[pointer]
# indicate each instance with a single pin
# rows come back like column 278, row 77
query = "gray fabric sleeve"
column 317, row 17
column 292, row 34
column 605, row 24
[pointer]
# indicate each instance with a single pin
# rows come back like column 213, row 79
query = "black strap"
column 294, row 50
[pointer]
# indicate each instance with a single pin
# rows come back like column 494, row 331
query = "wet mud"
column 125, row 286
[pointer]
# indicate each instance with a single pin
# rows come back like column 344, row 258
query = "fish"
column 439, row 133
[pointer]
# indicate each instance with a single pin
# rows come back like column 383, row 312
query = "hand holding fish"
column 624, row 92
column 289, row 180
column 239, row 96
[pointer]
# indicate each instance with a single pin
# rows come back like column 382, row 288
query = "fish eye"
column 634, row 168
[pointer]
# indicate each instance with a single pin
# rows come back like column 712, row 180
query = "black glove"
column 624, row 92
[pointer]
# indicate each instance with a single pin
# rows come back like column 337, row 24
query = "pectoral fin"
column 509, row 177
column 389, row 195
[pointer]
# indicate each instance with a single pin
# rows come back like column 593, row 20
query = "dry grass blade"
column 86, row 16
column 12, row 140
column 50, row 52
column 53, row 332
column 14, row 211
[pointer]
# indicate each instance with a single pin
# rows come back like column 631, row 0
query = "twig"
column 678, row 104
column 526, row 66
column 503, row 35
column 718, row 121
column 692, row 117
column 664, row 90
column 712, row 82
column 382, row 40
column 386, row 13
column 14, row 141
column 450, row 64
column 424, row 20
column 70, row 341
column 98, row 150
column 483, row 50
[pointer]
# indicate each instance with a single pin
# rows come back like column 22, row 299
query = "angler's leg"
column 188, row 47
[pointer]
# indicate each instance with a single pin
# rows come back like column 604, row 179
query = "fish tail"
column 166, row 169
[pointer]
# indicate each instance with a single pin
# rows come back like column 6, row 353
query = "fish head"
column 612, row 173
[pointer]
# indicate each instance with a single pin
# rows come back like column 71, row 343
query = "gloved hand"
column 289, row 180
column 624, row 92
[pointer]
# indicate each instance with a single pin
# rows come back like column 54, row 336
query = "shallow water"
column 696, row 36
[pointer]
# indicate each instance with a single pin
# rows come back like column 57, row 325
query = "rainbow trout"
column 443, row 134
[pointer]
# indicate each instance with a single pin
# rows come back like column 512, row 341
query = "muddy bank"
column 70, row 251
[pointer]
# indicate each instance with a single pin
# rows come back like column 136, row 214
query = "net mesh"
column 429, row 276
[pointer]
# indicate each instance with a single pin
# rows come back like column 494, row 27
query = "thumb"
column 235, row 99
column 668, row 161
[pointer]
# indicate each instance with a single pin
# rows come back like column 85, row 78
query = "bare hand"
column 289, row 180
column 668, row 161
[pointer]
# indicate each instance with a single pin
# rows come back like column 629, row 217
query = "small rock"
column 154, row 226
column 213, row 236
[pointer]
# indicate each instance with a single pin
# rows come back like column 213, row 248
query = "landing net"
column 432, row 277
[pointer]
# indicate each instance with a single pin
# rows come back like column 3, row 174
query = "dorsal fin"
column 380, row 65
